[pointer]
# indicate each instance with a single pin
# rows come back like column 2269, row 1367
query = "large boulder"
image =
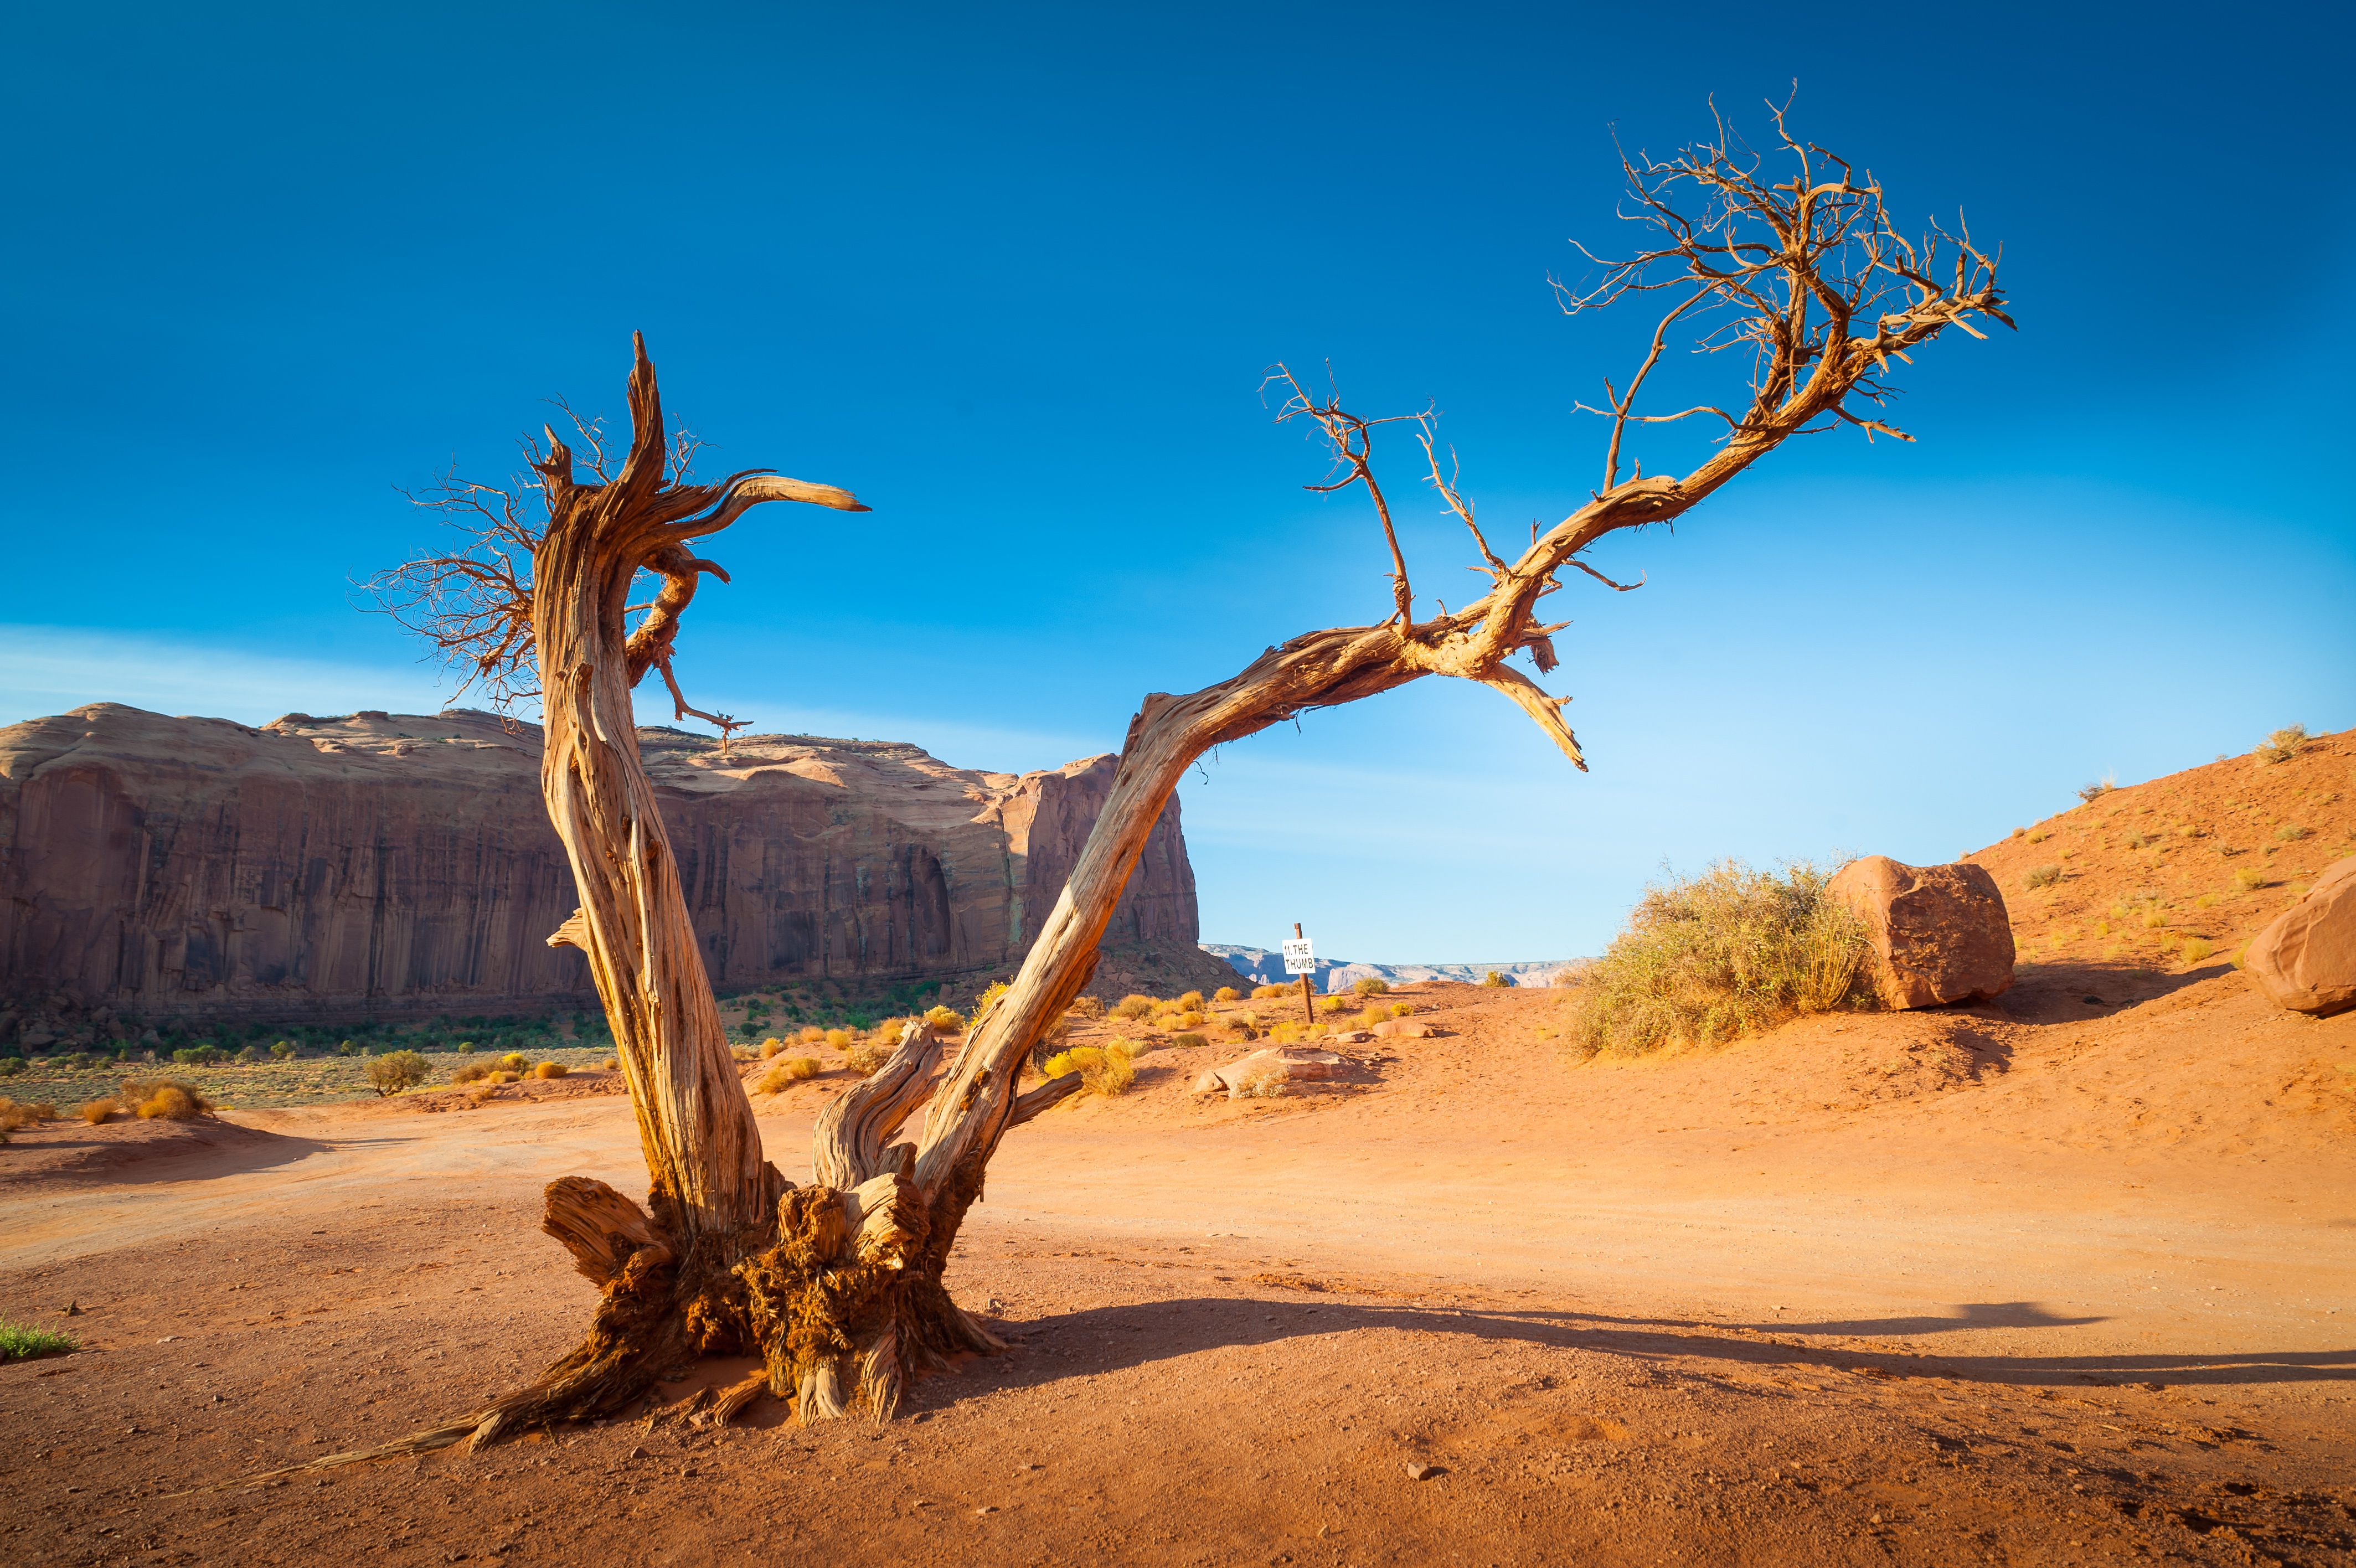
column 2306, row 959
column 1943, row 932
column 1283, row 1062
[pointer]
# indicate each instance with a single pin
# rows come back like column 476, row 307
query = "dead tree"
column 837, row 1286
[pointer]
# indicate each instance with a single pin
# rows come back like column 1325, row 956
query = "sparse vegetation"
column 2154, row 918
column 2040, row 836
column 551, row 1070
column 1402, row 1009
column 2041, row 877
column 283, row 1050
column 1106, row 1070
column 1724, row 953
column 97, row 1112
column 2249, row 879
column 2282, row 745
column 2093, row 792
column 1189, row 1041
column 19, row 1342
column 473, row 1072
column 1088, row 1008
column 397, row 1072
column 1134, row 1008
column 783, row 1075
column 1372, row 986
column 165, row 1099
column 1333, row 1004
column 2290, row 833
column 1267, row 993
column 515, row 1061
column 2196, row 948
column 1227, row 994
column 865, row 1056
column 13, row 1115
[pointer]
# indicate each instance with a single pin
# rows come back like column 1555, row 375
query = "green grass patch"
column 19, row 1343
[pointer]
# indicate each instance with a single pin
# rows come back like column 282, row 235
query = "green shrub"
column 2041, row 877
column 1372, row 986
column 283, row 1050
column 396, row 1071
column 1728, row 953
column 196, row 1055
column 345, row 1047
column 11, row 1066
column 251, row 1054
column 19, row 1343
column 465, row 1048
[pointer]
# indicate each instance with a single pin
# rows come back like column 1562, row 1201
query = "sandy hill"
column 2206, row 856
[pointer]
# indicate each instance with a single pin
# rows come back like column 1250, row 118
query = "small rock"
column 638, row 1453
column 985, row 1508
column 167, row 1339
column 1875, row 1520
column 1424, row 1472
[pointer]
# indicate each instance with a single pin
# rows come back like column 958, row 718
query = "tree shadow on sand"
column 1101, row 1339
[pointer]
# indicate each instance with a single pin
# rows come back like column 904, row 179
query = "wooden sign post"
column 1300, row 958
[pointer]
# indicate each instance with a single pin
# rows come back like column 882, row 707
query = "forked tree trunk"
column 837, row 1286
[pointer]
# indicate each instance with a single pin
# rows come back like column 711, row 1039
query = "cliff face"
column 398, row 863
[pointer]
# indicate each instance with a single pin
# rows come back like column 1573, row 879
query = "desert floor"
column 2052, row 1280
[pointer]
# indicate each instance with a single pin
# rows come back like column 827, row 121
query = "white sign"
column 1299, row 958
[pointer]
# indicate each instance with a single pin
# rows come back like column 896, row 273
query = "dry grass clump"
column 1374, row 1016
column 1333, row 1004
column 13, row 1115
column 2249, row 879
column 2196, row 948
column 1732, row 951
column 1106, row 1070
column 515, row 1061
column 783, row 1075
column 1402, row 1009
column 163, row 1099
column 836, row 1040
column 947, row 1020
column 2289, row 833
column 1191, row 1002
column 1134, row 1007
column 551, row 1070
column 1284, row 1033
column 97, row 1112
column 1227, row 994
column 473, row 1072
column 1189, row 1041
column 1270, row 1084
column 2282, row 745
column 1265, row 993
column 1372, row 986
column 2041, row 877
column 771, row 1047
column 2098, row 789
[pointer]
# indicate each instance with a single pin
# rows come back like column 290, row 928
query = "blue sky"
column 1014, row 275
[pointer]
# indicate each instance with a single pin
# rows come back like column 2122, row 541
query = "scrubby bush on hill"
column 165, row 1099
column 1104, row 1069
column 1133, row 1007
column 1263, row 993
column 1724, row 953
column 1227, row 994
column 1372, row 986
column 2282, row 745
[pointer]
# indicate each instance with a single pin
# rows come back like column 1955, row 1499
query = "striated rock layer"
column 387, row 864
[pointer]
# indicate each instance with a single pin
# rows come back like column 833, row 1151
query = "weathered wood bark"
column 838, row 1286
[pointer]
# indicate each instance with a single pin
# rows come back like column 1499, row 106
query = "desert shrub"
column 2153, row 919
column 1372, row 986
column 771, row 1047
column 989, row 998
column 865, row 1056
column 1135, row 1007
column 498, row 1075
column 283, row 1050
column 96, row 1112
column 396, row 1071
column 1088, row 1007
column 165, row 1099
column 515, row 1061
column 11, row 1066
column 1724, row 953
column 20, row 1343
column 1373, row 1016
column 1402, row 1009
column 2249, row 879
column 2041, row 877
column 250, row 1055
column 2097, row 789
column 1264, row 993
column 1104, row 1069
column 1190, row 1041
column 1332, row 1004
column 473, row 1072
column 1266, row 1085
column 611, row 1065
column 196, row 1055
column 836, row 1040
column 1284, row 1033
column 1493, row 980
column 13, row 1115
column 1227, row 994
column 2196, row 948
column 2040, row 836
column 465, row 1048
column 1187, row 1019
column 2282, row 745
column 783, row 1073
column 551, row 1070
column 947, row 1020
column 1191, row 1002
column 2289, row 834
column 343, row 1047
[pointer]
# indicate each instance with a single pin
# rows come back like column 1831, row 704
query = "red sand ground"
column 2048, row 1281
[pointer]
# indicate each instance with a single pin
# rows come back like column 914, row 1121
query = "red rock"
column 382, row 863
column 1286, row 1061
column 1403, row 1028
column 2305, row 960
column 1943, row 932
